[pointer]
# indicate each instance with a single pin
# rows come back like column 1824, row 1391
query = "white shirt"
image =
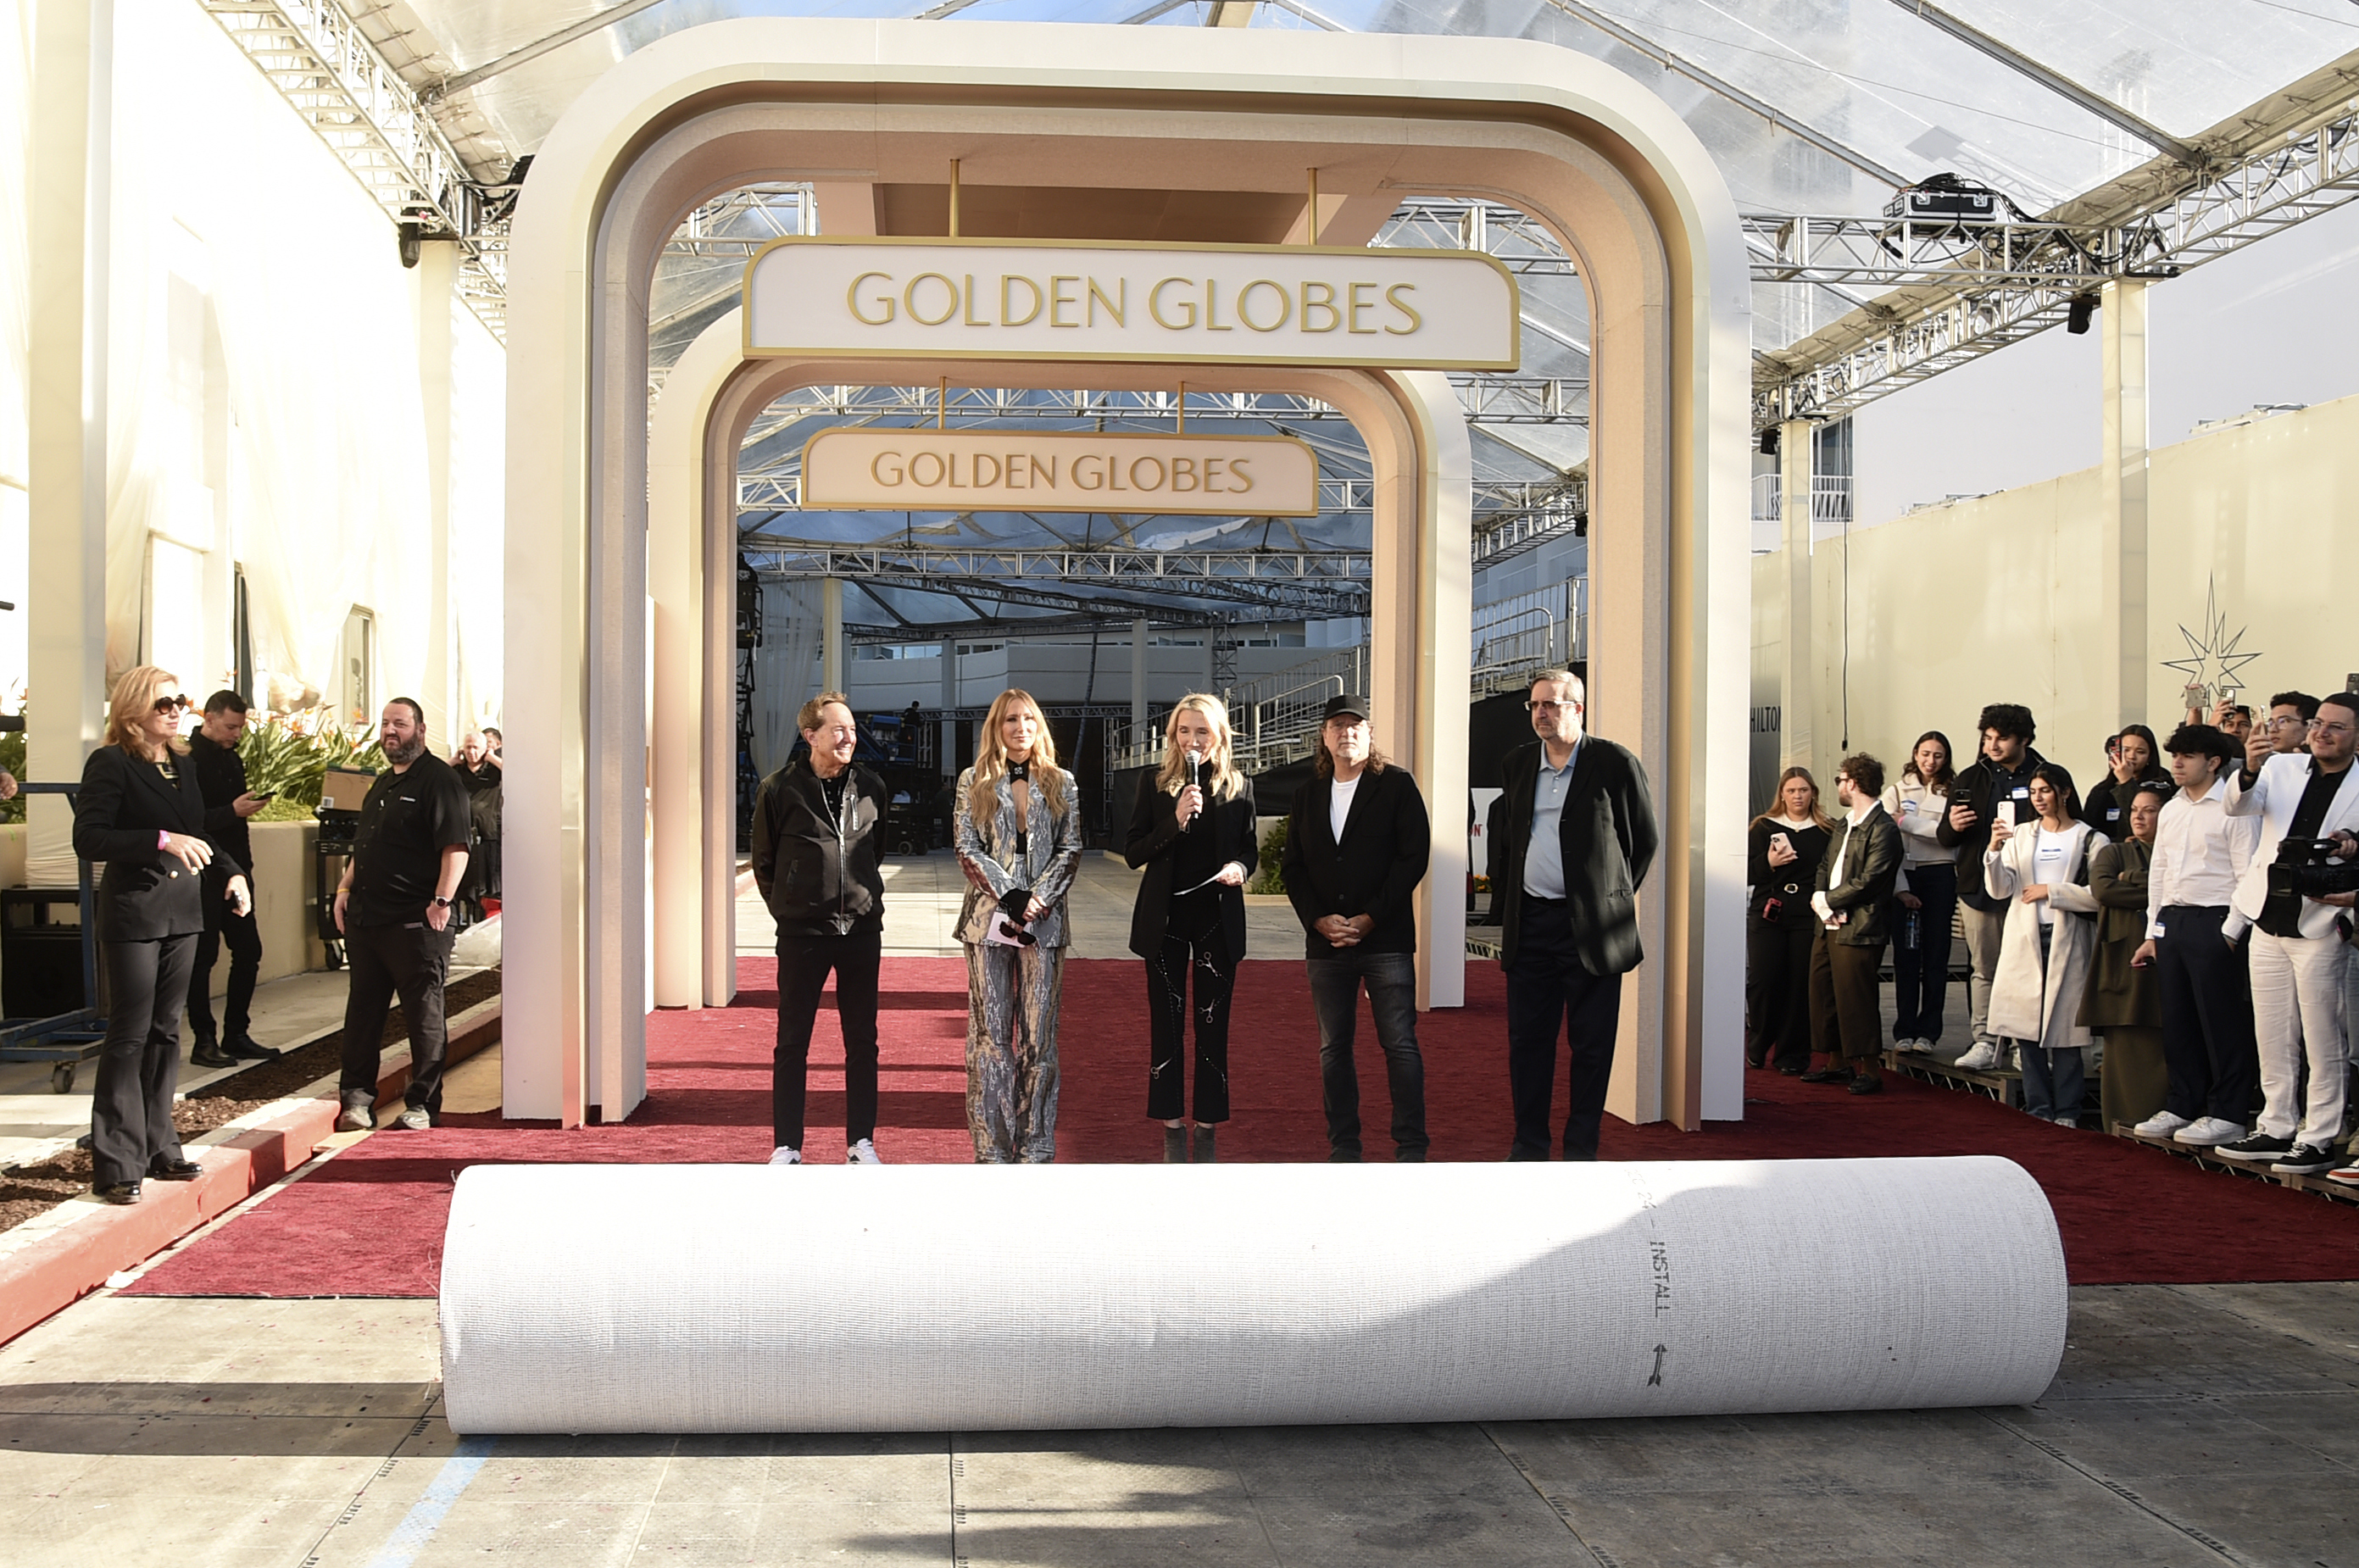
column 1339, row 803
column 2200, row 852
column 2049, row 852
column 1917, row 810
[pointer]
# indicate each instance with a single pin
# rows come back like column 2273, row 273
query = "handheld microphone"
column 1195, row 780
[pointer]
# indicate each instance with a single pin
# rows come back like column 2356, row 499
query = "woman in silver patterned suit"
column 1019, row 842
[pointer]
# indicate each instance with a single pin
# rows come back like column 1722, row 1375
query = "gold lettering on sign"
column 1155, row 305
column 1392, row 298
column 1212, row 307
column 1089, row 472
column 966, row 317
column 1154, row 462
column 919, row 479
column 1245, row 305
column 1037, row 469
column 1359, row 305
column 1325, row 300
column 1059, row 300
column 1237, row 470
column 1006, row 308
column 1184, row 469
column 909, row 299
column 1116, row 306
column 851, row 300
column 876, row 469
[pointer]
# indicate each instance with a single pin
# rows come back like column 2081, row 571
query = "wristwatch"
column 441, row 902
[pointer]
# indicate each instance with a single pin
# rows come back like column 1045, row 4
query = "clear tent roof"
column 2012, row 93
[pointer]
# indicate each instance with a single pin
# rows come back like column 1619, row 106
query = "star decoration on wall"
column 2212, row 660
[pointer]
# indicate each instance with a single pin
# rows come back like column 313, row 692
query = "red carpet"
column 369, row 1222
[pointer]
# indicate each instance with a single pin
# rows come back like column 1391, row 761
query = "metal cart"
column 68, row 1038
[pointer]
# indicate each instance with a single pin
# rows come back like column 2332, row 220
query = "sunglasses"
column 173, row 704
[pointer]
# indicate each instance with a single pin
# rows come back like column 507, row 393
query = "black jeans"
column 1547, row 990
column 131, row 1108
column 1778, row 992
column 804, row 962
column 1391, row 982
column 1192, row 945
column 415, row 962
column 2207, row 1017
column 1920, row 967
column 244, row 942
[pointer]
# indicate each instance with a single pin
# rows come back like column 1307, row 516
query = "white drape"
column 787, row 668
column 15, row 261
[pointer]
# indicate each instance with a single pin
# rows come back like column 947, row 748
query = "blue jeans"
column 2053, row 1084
column 1391, row 982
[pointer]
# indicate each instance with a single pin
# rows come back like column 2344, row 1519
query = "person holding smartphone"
column 1999, row 786
column 1782, row 852
column 1927, row 893
column 220, row 780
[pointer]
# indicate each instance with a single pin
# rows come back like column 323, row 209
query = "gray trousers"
column 1983, row 934
column 1011, row 1052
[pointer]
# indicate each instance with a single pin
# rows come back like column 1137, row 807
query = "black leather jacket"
column 819, row 874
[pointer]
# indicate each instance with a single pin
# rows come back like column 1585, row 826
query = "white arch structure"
column 621, row 528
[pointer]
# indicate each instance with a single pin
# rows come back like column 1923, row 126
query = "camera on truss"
column 2303, row 869
column 1945, row 198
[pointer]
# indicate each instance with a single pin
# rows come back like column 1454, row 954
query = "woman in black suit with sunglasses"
column 141, row 812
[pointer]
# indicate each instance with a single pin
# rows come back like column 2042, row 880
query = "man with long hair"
column 818, row 822
column 1357, row 841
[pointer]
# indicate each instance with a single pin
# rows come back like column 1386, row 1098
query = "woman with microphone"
column 1193, row 830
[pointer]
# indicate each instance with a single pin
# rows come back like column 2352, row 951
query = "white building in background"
column 303, row 437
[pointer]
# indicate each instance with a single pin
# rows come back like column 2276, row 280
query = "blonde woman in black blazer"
column 1196, row 842
column 141, row 812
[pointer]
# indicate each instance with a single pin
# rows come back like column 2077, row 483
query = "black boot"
column 208, row 1053
column 1204, row 1144
column 243, row 1047
column 1175, row 1146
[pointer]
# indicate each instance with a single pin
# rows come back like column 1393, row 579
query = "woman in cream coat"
column 1019, row 842
column 2049, row 944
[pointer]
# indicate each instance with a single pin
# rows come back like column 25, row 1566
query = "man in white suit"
column 2298, row 952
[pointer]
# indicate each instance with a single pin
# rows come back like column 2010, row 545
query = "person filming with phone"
column 1998, row 784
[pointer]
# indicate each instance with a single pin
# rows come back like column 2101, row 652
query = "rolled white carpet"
column 707, row 1298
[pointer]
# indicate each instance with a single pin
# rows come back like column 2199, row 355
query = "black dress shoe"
column 183, row 1170
column 118, row 1191
column 1827, row 1075
column 208, row 1054
column 245, row 1049
column 1867, row 1083
column 1792, row 1071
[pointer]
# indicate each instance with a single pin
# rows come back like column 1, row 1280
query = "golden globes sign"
column 936, row 470
column 962, row 299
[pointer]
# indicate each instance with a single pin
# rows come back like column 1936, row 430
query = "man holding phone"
column 221, row 780
column 1999, row 783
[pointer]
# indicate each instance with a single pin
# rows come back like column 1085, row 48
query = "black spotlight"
column 1768, row 441
column 411, row 243
column 2076, row 315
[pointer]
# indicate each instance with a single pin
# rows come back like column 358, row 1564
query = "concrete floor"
column 2190, row 1424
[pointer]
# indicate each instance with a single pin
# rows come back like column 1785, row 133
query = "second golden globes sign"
column 962, row 299
column 932, row 469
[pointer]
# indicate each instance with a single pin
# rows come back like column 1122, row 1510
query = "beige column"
column 2122, row 503
column 73, row 54
column 834, row 667
column 1797, row 691
column 946, row 755
column 1137, row 676
column 436, row 276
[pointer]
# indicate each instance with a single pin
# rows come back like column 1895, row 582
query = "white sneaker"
column 1981, row 1059
column 2209, row 1131
column 357, row 1117
column 863, row 1153
column 784, row 1156
column 414, row 1119
column 2162, row 1124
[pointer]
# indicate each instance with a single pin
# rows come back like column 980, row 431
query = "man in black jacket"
column 817, row 827
column 1999, row 779
column 1356, row 846
column 1852, row 897
column 220, row 780
column 1576, row 834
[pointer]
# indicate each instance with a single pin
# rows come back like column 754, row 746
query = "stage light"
column 1768, row 441
column 2076, row 318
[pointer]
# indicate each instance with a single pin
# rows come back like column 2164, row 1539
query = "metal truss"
column 1319, row 583
column 1110, row 613
column 1520, row 242
column 331, row 74
column 2278, row 164
column 1893, row 253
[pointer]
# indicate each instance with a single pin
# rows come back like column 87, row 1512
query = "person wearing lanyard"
column 1579, row 834
column 2298, row 951
column 817, row 825
column 392, row 909
column 2050, row 945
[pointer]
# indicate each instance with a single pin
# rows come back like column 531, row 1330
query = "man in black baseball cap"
column 1357, row 845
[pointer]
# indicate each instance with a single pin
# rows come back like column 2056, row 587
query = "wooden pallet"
column 2205, row 1158
column 2004, row 1084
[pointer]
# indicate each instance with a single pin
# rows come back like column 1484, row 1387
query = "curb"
column 51, row 1273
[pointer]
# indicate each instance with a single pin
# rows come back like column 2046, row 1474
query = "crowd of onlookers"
column 2189, row 918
